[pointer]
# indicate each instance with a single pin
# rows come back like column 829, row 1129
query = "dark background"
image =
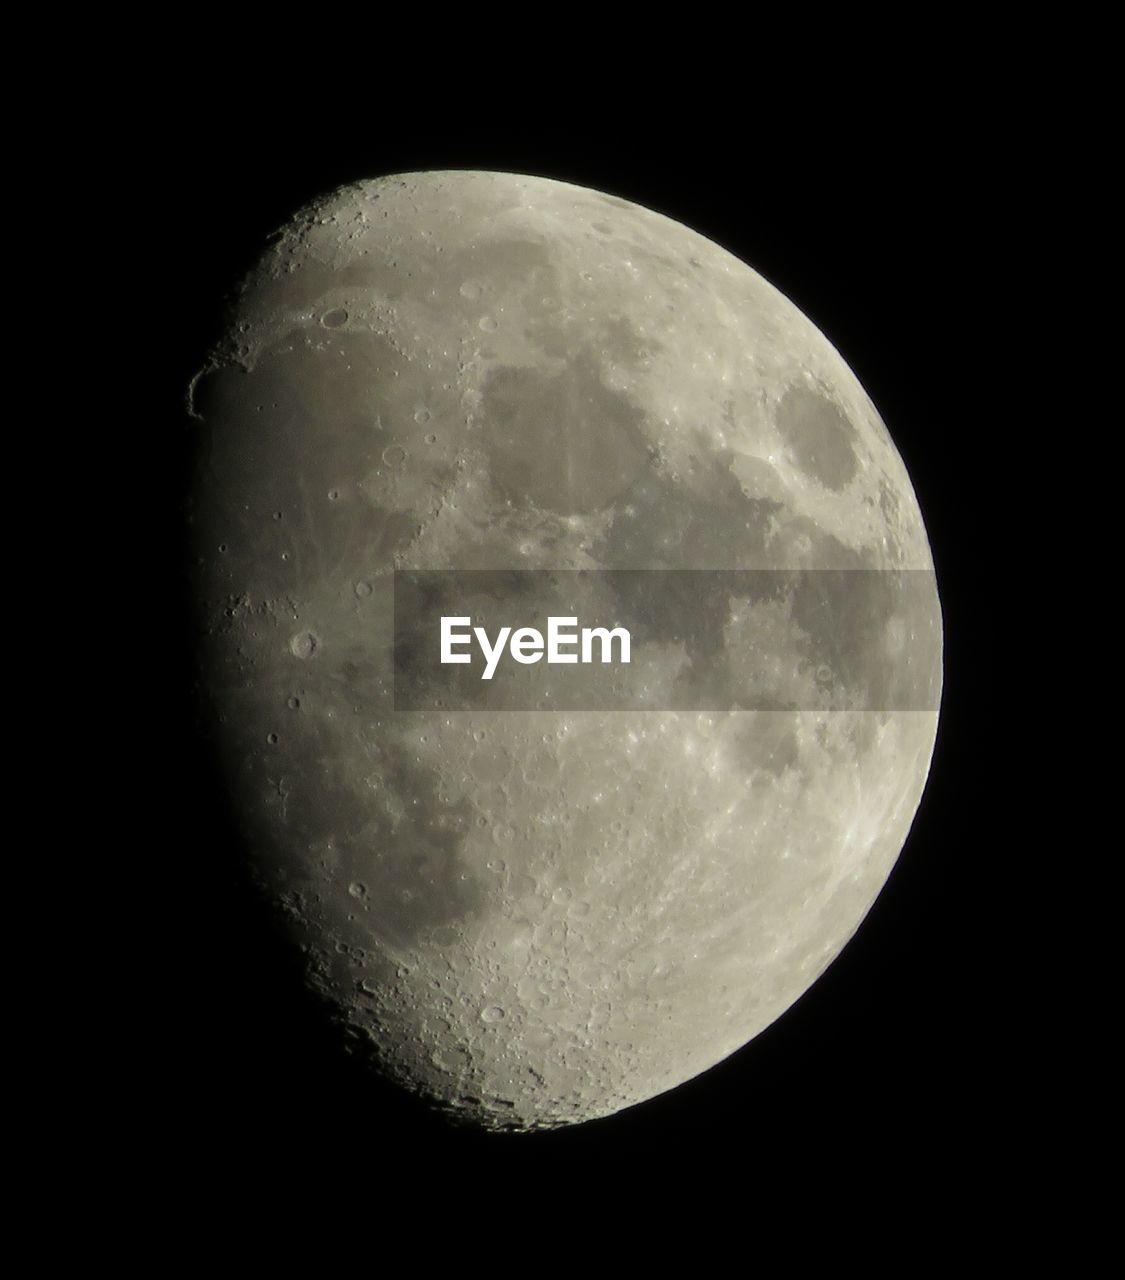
column 879, row 225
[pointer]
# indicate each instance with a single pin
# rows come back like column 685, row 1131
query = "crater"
column 819, row 436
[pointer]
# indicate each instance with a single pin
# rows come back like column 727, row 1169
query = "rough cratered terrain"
column 532, row 917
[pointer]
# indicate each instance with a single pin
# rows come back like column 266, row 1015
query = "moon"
column 537, row 917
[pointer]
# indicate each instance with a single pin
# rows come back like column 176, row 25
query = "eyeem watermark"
column 527, row 644
column 675, row 639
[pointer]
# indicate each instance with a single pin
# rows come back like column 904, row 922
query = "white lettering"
column 606, row 637
column 491, row 656
column 555, row 638
column 527, row 645
column 448, row 640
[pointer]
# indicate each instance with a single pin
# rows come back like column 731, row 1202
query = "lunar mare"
column 535, row 918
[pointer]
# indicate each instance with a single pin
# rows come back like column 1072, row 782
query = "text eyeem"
column 527, row 645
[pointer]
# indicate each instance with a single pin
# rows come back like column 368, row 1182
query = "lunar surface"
column 535, row 917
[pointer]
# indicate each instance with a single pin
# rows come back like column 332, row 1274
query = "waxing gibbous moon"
column 537, row 917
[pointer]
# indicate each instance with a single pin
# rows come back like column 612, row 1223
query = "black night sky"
column 875, row 223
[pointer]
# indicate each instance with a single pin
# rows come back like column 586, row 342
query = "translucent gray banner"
column 654, row 639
